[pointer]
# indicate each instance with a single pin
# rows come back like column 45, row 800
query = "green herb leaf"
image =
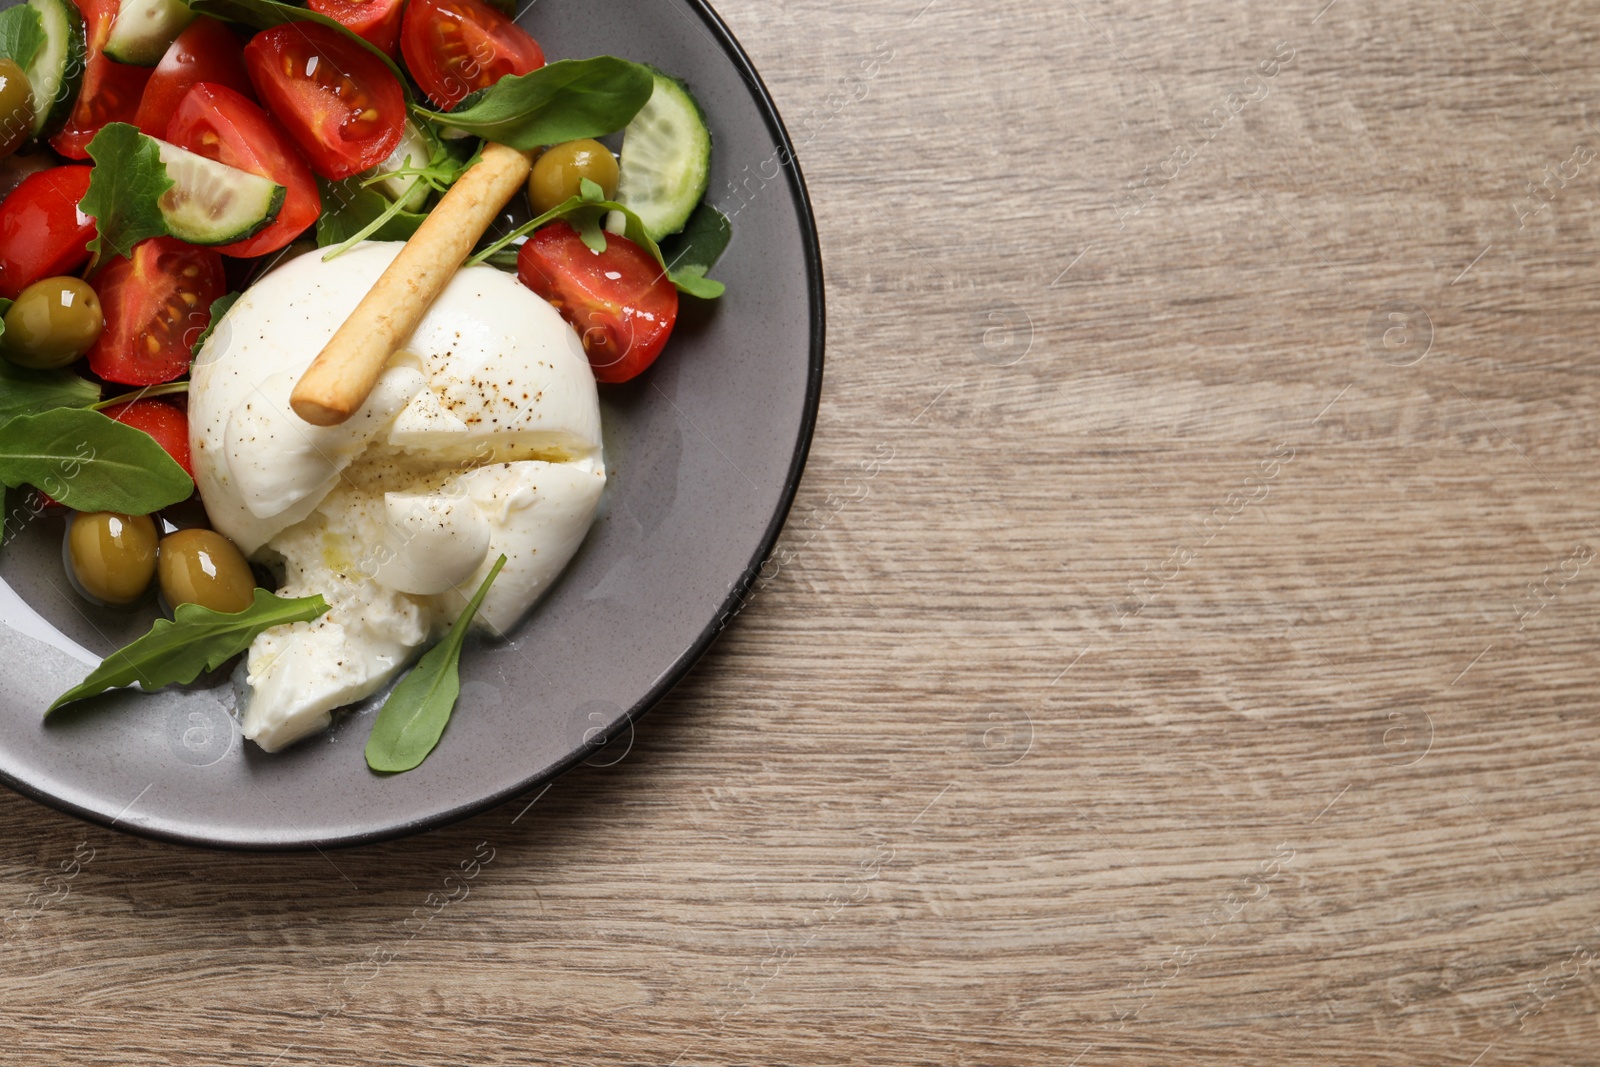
column 584, row 213
column 265, row 14
column 90, row 462
column 196, row 639
column 590, row 232
column 692, row 253
column 588, row 223
column 564, row 101
column 145, row 392
column 26, row 392
column 21, row 34
column 219, row 308
column 349, row 213
column 412, row 720
column 125, row 189
column 353, row 211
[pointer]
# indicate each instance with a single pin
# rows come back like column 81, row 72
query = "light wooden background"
column 1166, row 664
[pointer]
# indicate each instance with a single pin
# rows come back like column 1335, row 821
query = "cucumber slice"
column 666, row 159
column 144, row 29
column 57, row 71
column 211, row 203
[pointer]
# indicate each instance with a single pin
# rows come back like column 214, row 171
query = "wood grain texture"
column 1149, row 673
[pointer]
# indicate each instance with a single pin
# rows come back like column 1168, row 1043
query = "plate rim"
column 724, row 38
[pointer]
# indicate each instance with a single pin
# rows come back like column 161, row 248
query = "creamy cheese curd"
column 481, row 438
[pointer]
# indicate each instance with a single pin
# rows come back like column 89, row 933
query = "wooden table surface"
column 1184, row 647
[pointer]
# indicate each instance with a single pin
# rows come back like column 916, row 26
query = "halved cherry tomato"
column 161, row 420
column 339, row 102
column 156, row 303
column 619, row 300
column 205, row 52
column 110, row 91
column 42, row 232
column 375, row 21
column 456, row 47
column 220, row 124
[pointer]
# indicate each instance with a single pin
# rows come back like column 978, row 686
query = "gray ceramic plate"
column 705, row 449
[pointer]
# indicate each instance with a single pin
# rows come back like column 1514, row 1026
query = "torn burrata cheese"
column 481, row 438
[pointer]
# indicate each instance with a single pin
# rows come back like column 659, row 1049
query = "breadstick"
column 338, row 381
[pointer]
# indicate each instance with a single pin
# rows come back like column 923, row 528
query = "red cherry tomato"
column 110, row 91
column 375, row 21
column 161, row 420
column 220, row 124
column 42, row 232
column 619, row 300
column 205, row 52
column 456, row 47
column 338, row 101
column 156, row 304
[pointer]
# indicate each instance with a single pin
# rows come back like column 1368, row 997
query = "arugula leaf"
column 90, row 462
column 590, row 229
column 265, row 14
column 412, row 720
column 195, row 639
column 125, row 189
column 25, row 392
column 584, row 212
column 692, row 253
column 564, row 101
column 219, row 308
column 352, row 211
column 21, row 34
column 348, row 210
column 144, row 392
column 561, row 210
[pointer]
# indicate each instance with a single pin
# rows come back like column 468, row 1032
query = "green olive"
column 203, row 567
column 557, row 173
column 111, row 557
column 16, row 107
column 52, row 323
